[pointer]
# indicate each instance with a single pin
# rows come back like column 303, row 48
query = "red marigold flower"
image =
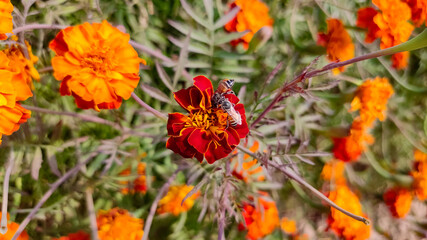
column 418, row 11
column 259, row 222
column 249, row 170
column 343, row 225
column 12, row 227
column 365, row 19
column 206, row 131
column 253, row 15
column 398, row 201
column 12, row 114
column 171, row 203
column 6, row 25
column 118, row 224
column 139, row 185
column 419, row 173
column 80, row 235
column 95, row 64
column 337, row 42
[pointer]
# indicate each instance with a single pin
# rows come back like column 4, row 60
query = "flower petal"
column 200, row 140
column 204, row 85
column 176, row 123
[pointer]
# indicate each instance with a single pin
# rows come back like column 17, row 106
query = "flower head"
column 419, row 173
column 343, row 225
column 261, row 218
column 206, row 131
column 398, row 201
column 337, row 42
column 12, row 90
column 249, row 170
column 80, row 235
column 253, row 15
column 139, row 184
column 418, row 11
column 288, row 226
column 95, row 64
column 365, row 19
column 171, row 203
column 12, row 227
column 6, row 25
column 371, row 100
column 334, row 171
column 118, row 224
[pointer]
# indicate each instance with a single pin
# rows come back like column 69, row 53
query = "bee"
column 225, row 86
column 227, row 106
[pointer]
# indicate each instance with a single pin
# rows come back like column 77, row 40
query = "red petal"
column 196, row 98
column 182, row 97
column 180, row 144
column 216, row 152
column 233, row 138
column 200, row 140
column 233, row 99
column 204, row 84
column 176, row 123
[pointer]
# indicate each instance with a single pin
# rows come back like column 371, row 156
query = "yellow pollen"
column 205, row 119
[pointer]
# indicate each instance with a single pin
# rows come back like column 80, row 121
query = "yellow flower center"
column 98, row 60
column 212, row 119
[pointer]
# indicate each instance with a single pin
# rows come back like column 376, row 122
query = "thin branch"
column 92, row 215
column 153, row 207
column 149, row 108
column 413, row 44
column 9, row 167
column 292, row 175
column 51, row 190
column 37, row 26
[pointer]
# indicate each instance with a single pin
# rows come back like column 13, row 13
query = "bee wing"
column 234, row 115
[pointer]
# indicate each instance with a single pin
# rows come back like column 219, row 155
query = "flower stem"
column 9, row 166
column 37, row 26
column 91, row 210
column 149, row 108
column 291, row 174
column 415, row 43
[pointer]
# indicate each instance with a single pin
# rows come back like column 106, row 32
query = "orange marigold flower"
column 343, row 225
column 418, row 11
column 253, row 15
column 259, row 222
column 206, row 130
column 249, row 170
column 334, row 171
column 139, row 184
column 350, row 148
column 398, row 201
column 171, row 203
column 365, row 19
column 371, row 100
column 24, row 70
column 80, row 235
column 95, row 64
column 337, row 42
column 6, row 25
column 12, row 114
column 400, row 60
column 12, row 227
column 419, row 174
column 288, row 226
column 118, row 224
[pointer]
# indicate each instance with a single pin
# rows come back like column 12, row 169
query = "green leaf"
column 425, row 125
column 155, row 93
column 196, row 48
column 209, row 9
column 36, row 164
column 182, row 60
column 227, row 18
column 184, row 29
column 260, row 38
column 236, row 69
column 226, row 38
column 194, row 16
column 233, row 56
column 164, row 76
